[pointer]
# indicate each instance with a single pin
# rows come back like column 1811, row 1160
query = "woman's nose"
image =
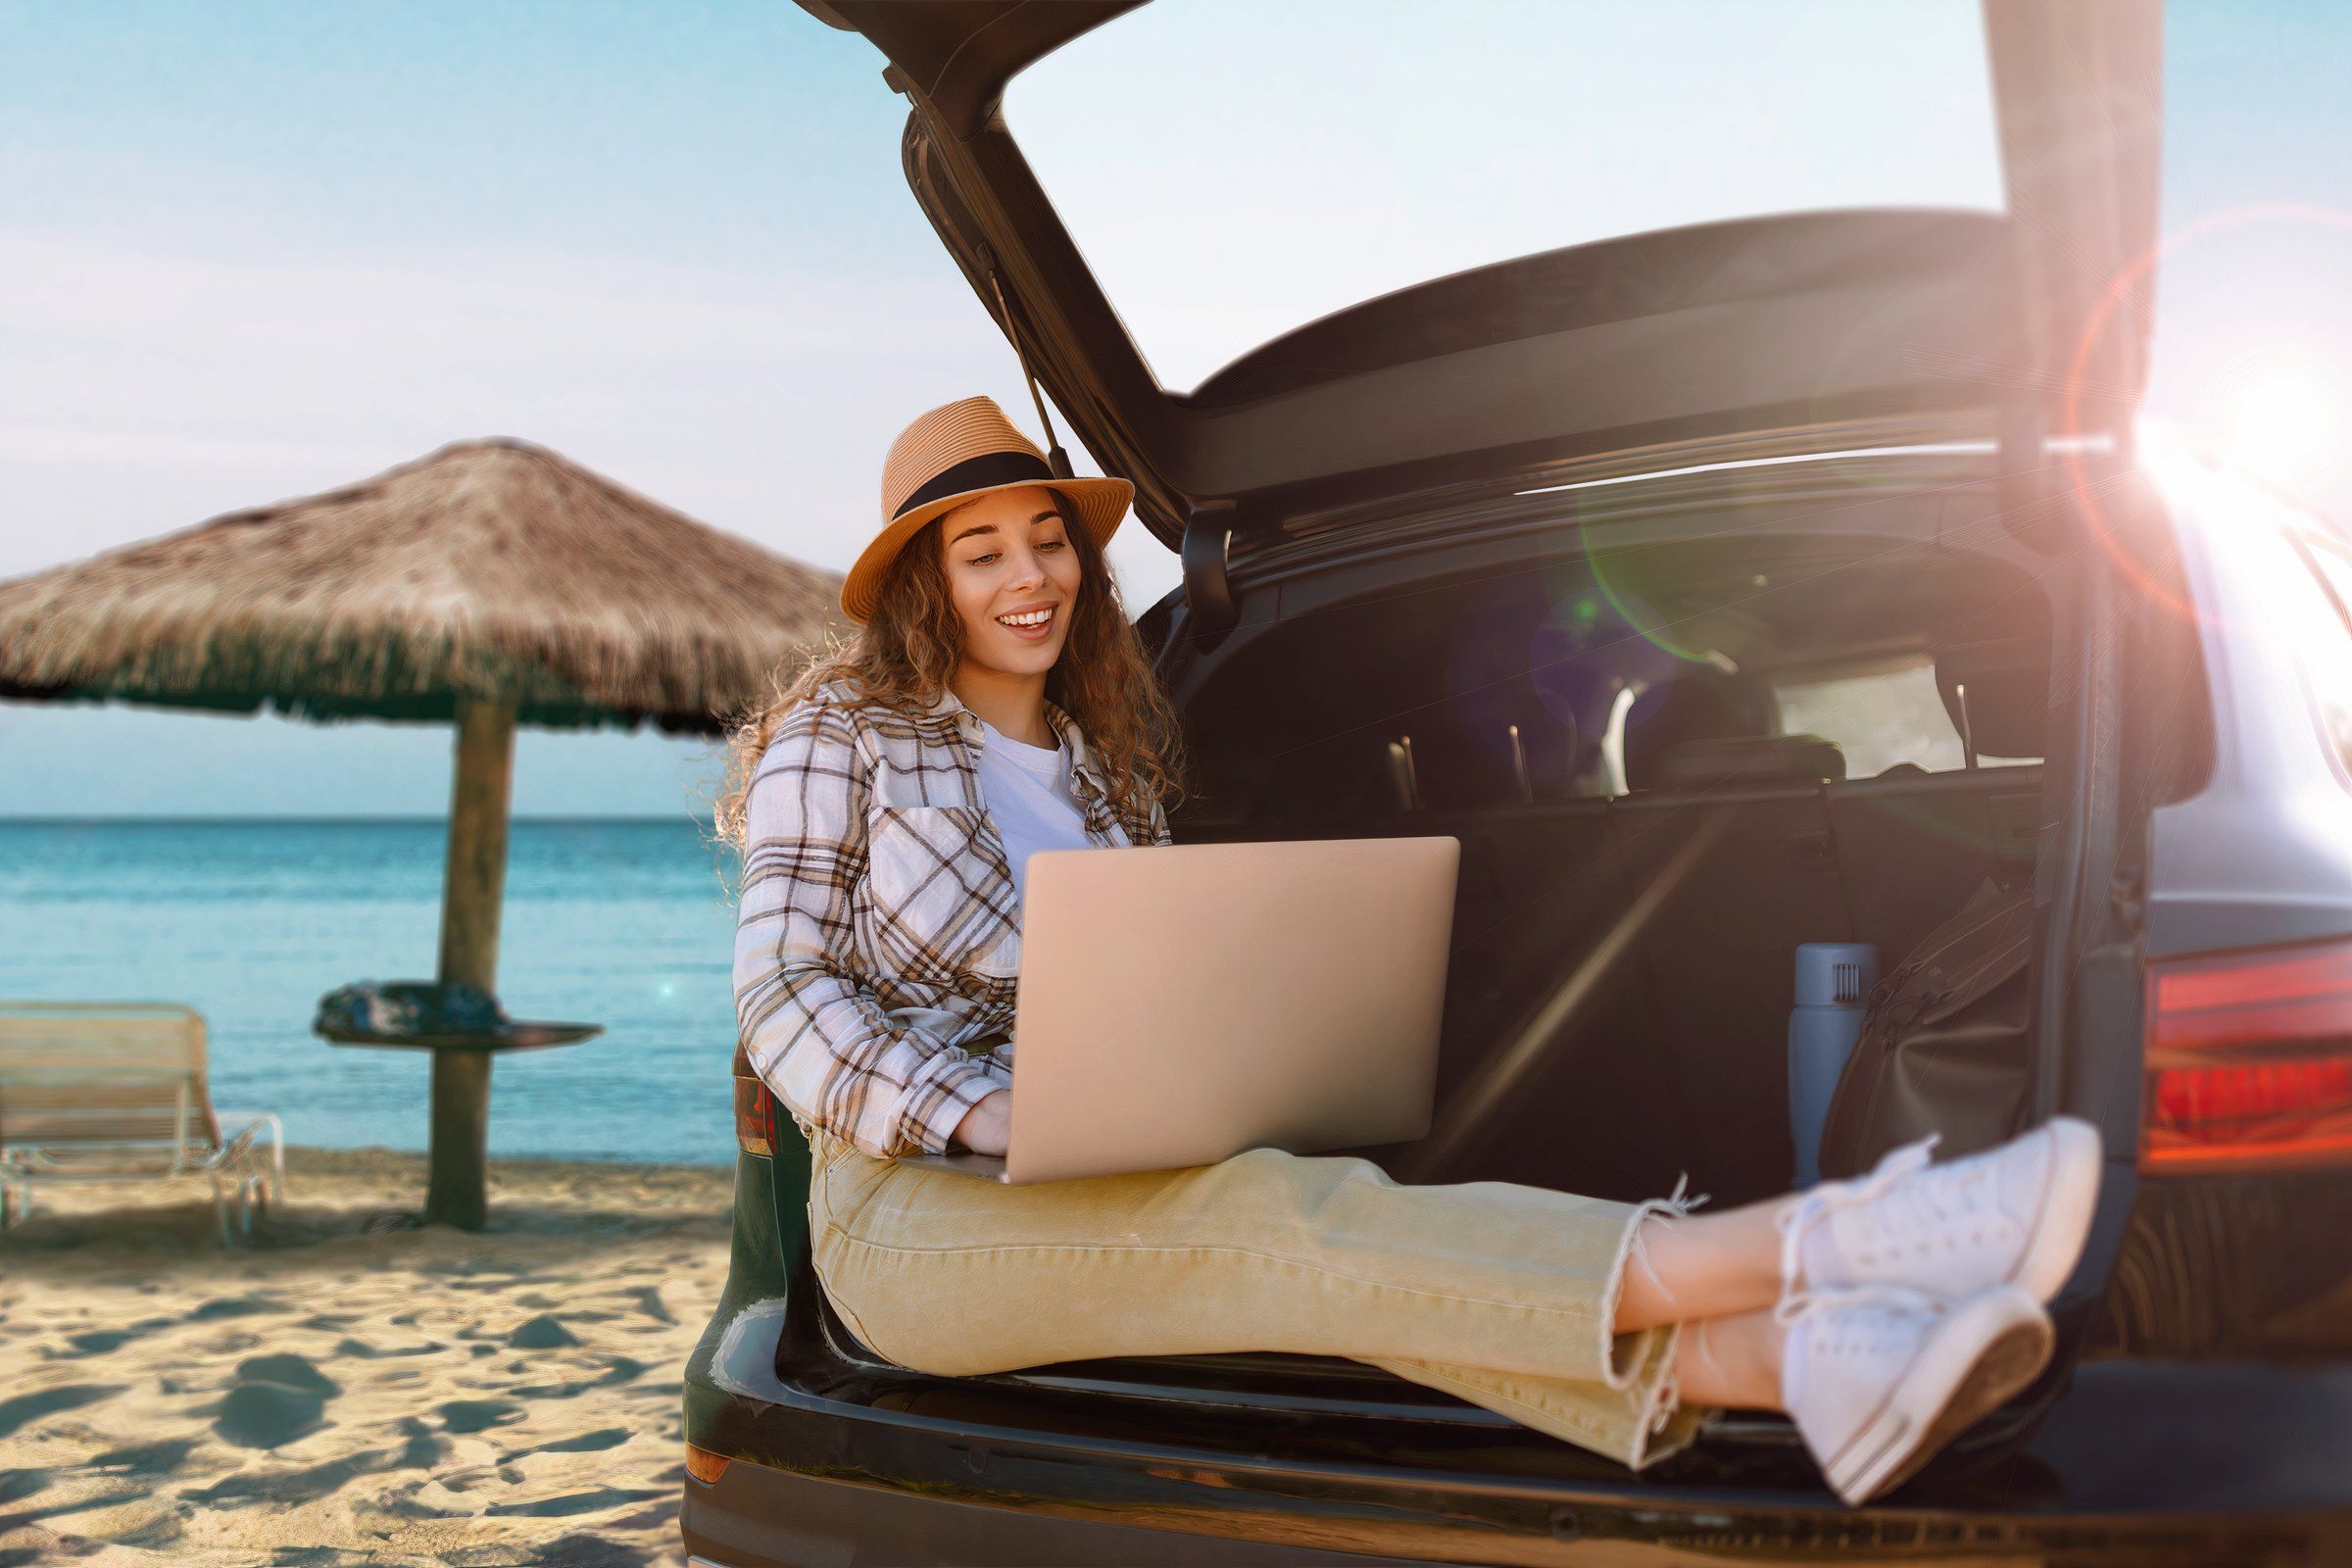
column 1027, row 570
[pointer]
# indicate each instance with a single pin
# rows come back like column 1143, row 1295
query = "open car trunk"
column 1611, row 703
column 1606, row 698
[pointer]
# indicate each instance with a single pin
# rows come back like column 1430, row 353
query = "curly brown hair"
column 904, row 654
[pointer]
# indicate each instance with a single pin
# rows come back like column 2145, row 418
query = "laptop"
column 1179, row 1006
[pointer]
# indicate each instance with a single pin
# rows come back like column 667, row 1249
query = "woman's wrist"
column 986, row 1128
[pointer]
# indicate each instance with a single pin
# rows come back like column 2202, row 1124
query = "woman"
column 996, row 704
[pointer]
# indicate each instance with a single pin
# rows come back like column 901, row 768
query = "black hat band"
column 981, row 472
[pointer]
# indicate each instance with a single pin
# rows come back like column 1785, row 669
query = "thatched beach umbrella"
column 490, row 585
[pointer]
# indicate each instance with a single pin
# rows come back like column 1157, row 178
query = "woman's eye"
column 981, row 561
column 1054, row 544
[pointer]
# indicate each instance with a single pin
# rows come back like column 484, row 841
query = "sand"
column 326, row 1396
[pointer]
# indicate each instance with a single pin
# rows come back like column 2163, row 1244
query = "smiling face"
column 1013, row 577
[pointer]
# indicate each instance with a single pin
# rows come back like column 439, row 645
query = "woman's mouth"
column 1030, row 625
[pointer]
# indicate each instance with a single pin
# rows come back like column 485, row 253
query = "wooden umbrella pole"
column 470, row 899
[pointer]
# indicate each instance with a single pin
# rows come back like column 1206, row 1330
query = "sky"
column 255, row 250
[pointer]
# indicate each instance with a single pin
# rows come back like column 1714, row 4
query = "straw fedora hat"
column 957, row 454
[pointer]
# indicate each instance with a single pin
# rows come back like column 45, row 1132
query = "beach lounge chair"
column 116, row 1091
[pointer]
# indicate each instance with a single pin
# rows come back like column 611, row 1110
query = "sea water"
column 628, row 924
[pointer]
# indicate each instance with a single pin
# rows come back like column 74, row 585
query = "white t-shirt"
column 1032, row 796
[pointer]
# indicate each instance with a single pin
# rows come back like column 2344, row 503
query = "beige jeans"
column 1501, row 1294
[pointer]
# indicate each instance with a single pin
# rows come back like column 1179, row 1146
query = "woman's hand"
column 987, row 1128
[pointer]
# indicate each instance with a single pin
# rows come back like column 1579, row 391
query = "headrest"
column 1696, row 704
column 2008, row 695
column 1750, row 759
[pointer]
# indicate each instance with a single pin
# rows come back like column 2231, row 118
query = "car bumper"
column 759, row 1517
column 2138, row 1465
column 756, row 1517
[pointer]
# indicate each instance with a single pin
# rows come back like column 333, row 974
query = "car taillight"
column 704, row 1466
column 2249, row 1061
column 754, row 1110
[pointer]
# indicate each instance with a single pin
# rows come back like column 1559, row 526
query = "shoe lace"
column 1799, row 1216
column 1800, row 1304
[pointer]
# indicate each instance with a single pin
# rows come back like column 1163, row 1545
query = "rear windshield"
column 1232, row 168
column 1879, row 720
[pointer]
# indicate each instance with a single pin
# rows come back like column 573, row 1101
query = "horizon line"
column 49, row 819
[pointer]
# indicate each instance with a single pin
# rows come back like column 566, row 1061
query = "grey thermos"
column 1833, row 992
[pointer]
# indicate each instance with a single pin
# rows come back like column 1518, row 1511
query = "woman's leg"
column 2016, row 1214
column 1702, row 1266
column 1732, row 1361
column 1514, row 1287
column 1921, row 1313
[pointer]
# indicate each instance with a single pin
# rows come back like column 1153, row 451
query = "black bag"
column 1944, row 1045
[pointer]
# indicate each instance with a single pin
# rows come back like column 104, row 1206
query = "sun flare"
column 2281, row 413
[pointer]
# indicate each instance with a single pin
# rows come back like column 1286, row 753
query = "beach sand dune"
column 328, row 1395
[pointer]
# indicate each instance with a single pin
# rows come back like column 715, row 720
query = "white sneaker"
column 1879, row 1380
column 2013, row 1215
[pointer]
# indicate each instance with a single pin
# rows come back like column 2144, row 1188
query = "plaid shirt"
column 878, row 938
